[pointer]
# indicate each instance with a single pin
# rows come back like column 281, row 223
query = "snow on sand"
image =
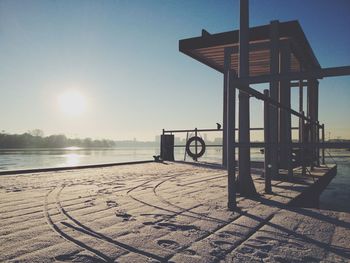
column 157, row 213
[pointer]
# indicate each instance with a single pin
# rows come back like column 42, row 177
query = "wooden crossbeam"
column 274, row 103
column 312, row 74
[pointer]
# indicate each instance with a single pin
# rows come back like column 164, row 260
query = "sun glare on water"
column 72, row 103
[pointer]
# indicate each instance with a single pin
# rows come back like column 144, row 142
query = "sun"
column 72, row 103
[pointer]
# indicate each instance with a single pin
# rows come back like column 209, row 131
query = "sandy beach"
column 156, row 212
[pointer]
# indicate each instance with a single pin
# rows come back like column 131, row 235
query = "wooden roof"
column 209, row 48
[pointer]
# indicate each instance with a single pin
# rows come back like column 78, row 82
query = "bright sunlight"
column 72, row 103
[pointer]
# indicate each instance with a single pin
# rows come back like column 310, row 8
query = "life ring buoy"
column 202, row 144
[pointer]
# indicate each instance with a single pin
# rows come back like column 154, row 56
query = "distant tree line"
column 35, row 139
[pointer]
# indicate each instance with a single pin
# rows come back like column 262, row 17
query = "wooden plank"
column 253, row 46
column 288, row 30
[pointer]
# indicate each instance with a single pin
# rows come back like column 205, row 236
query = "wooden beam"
column 284, row 123
column 267, row 138
column 298, row 84
column 253, row 47
column 302, row 144
column 290, row 29
column 323, row 140
column 274, row 66
column 274, row 103
column 301, row 108
column 312, row 115
column 231, row 139
column 311, row 74
column 246, row 184
column 317, row 130
column 227, row 63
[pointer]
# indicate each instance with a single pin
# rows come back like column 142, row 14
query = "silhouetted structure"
column 167, row 147
column 278, row 54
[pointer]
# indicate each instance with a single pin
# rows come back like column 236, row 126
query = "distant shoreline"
column 76, row 148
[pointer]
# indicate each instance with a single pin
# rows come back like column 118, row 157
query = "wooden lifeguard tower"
column 280, row 55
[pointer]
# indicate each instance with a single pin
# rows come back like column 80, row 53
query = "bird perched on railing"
column 218, row 126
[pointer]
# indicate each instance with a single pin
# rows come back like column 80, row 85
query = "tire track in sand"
column 67, row 237
column 78, row 226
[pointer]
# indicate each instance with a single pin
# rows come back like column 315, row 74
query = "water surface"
column 336, row 196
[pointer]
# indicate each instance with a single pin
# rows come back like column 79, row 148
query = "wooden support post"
column 195, row 145
column 231, row 139
column 274, row 68
column 267, row 151
column 285, row 135
column 301, row 139
column 301, row 105
column 227, row 67
column 323, row 140
column 246, row 184
column 229, row 158
column 311, row 147
column 224, row 119
column 318, row 144
column 309, row 98
column 312, row 114
column 185, row 153
column 302, row 148
column 317, row 129
column 309, row 113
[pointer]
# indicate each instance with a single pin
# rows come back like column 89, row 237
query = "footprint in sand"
column 117, row 186
column 227, row 234
column 124, row 216
column 246, row 250
column 14, row 189
column 189, row 252
column 104, row 191
column 221, row 248
column 89, row 181
column 89, row 202
column 66, row 257
column 168, row 244
column 75, row 257
column 148, row 223
column 261, row 254
column 260, row 246
column 156, row 215
column 178, row 227
column 222, row 244
column 280, row 259
column 218, row 253
column 111, row 203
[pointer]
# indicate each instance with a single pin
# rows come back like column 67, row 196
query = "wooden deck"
column 165, row 212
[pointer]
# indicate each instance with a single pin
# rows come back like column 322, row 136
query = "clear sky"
column 120, row 60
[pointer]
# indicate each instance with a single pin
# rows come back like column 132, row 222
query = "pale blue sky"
column 123, row 57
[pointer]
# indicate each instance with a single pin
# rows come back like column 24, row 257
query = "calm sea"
column 336, row 196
